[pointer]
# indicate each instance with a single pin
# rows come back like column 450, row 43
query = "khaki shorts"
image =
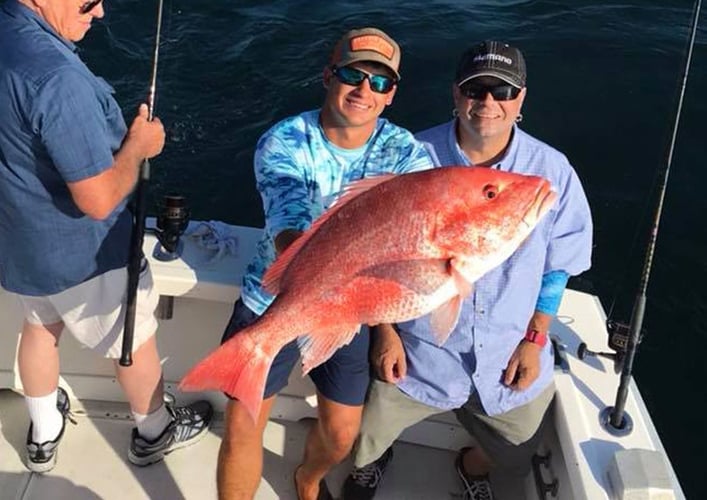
column 509, row 439
column 94, row 311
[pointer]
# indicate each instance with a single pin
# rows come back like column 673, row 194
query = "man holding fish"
column 302, row 164
column 495, row 371
column 391, row 249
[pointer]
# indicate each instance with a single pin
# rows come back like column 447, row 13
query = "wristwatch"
column 536, row 337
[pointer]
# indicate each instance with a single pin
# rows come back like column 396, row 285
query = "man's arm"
column 569, row 252
column 524, row 366
column 99, row 195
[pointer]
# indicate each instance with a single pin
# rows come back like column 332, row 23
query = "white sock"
column 150, row 426
column 47, row 421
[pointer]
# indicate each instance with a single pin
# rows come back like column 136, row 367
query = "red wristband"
column 536, row 337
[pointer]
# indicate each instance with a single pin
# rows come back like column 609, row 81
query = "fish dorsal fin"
column 271, row 279
column 320, row 345
column 355, row 188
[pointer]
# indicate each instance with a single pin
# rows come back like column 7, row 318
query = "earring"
column 455, row 112
column 519, row 118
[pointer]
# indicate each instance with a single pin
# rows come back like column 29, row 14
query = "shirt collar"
column 461, row 157
column 17, row 9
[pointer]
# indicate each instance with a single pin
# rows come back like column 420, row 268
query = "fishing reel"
column 172, row 221
column 619, row 334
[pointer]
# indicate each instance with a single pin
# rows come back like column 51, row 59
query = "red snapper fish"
column 393, row 248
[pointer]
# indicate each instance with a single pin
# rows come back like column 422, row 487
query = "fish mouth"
column 545, row 198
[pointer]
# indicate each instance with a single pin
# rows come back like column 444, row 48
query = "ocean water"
column 603, row 81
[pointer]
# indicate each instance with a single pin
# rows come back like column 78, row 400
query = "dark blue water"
column 603, row 82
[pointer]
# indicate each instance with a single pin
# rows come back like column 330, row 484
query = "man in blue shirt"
column 495, row 371
column 301, row 166
column 67, row 164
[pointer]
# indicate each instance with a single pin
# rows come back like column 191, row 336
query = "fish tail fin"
column 239, row 368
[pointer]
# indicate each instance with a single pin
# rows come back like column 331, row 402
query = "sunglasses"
column 478, row 91
column 381, row 84
column 88, row 6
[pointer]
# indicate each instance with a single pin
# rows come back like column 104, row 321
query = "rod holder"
column 624, row 429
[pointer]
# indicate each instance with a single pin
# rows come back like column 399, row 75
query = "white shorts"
column 94, row 311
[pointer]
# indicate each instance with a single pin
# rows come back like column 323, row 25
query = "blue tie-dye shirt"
column 300, row 173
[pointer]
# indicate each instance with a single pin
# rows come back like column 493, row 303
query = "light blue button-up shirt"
column 495, row 317
column 300, row 173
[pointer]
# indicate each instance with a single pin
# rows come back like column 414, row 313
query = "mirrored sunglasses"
column 381, row 84
column 88, row 6
column 478, row 91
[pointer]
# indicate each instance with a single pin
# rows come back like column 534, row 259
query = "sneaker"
column 475, row 487
column 189, row 425
column 362, row 483
column 41, row 457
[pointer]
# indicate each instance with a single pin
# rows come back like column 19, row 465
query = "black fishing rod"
column 138, row 233
column 616, row 414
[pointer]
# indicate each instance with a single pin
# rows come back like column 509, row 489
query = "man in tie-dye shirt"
column 301, row 166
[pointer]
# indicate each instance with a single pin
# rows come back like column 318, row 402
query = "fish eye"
column 490, row 191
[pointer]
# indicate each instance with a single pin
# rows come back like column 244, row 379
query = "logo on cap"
column 373, row 43
column 493, row 57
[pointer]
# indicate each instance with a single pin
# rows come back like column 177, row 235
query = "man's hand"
column 388, row 354
column 145, row 137
column 523, row 367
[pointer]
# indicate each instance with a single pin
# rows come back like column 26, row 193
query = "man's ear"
column 523, row 93
column 326, row 76
column 456, row 93
column 390, row 95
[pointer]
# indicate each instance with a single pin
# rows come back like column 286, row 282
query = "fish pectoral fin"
column 318, row 346
column 463, row 282
column 444, row 319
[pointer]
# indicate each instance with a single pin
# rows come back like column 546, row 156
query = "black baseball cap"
column 491, row 58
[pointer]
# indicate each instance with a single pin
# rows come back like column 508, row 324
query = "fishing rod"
column 138, row 232
column 617, row 418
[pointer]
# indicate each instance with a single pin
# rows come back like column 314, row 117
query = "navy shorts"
column 343, row 378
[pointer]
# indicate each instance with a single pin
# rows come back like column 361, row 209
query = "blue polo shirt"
column 60, row 124
column 494, row 318
column 300, row 173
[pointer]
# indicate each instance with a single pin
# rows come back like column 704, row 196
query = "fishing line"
column 616, row 414
column 138, row 232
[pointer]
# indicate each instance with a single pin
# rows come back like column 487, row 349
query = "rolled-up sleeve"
column 72, row 126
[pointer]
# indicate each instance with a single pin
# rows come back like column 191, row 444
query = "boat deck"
column 92, row 462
